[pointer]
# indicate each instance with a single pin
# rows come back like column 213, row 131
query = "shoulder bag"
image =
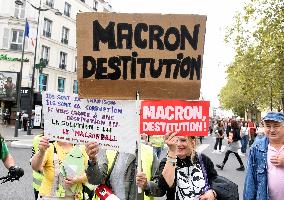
column 225, row 189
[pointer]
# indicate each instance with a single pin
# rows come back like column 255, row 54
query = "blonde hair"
column 193, row 143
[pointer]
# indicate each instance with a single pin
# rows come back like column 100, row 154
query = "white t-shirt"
column 244, row 130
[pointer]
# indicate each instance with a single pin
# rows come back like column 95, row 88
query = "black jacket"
column 170, row 191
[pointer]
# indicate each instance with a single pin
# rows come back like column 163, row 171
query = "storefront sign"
column 7, row 58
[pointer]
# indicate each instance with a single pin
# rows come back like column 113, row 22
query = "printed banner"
column 8, row 86
column 113, row 124
column 185, row 117
column 37, row 117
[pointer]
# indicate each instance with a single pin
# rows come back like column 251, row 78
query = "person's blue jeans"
column 244, row 143
column 218, row 141
column 32, row 123
column 157, row 151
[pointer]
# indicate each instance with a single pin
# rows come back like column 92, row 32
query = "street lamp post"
column 39, row 9
column 19, row 87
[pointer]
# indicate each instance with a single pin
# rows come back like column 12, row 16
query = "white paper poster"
column 37, row 118
column 111, row 123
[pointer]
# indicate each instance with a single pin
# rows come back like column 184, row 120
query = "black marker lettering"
column 141, row 44
column 86, row 71
column 121, row 36
column 104, row 35
column 155, row 33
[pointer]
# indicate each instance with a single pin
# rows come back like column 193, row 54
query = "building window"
column 50, row 3
column 75, row 87
column 65, row 35
column 61, row 84
column 95, row 5
column 63, row 59
column 67, row 9
column 42, row 82
column 20, row 10
column 17, row 40
column 45, row 51
column 47, row 28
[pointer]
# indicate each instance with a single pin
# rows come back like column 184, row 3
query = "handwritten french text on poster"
column 113, row 124
column 158, row 55
column 185, row 117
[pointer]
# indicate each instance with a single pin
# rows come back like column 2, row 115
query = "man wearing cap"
column 265, row 167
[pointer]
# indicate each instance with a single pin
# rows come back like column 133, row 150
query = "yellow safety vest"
column 147, row 161
column 37, row 177
column 157, row 140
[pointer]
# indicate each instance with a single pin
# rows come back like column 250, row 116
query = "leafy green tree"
column 256, row 75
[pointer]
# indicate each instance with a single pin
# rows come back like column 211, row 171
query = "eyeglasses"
column 275, row 127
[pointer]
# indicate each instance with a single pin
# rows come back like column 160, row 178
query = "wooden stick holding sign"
column 138, row 137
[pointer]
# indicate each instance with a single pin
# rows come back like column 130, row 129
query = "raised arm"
column 170, row 167
column 37, row 159
column 97, row 165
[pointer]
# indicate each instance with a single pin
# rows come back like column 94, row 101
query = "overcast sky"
column 217, row 54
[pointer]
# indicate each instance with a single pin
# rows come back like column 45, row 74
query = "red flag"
column 33, row 41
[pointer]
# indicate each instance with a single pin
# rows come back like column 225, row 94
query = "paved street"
column 22, row 189
column 18, row 189
column 8, row 133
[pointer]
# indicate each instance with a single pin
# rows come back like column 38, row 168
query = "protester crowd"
column 68, row 172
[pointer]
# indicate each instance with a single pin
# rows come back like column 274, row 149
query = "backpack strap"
column 111, row 168
column 207, row 187
column 56, row 172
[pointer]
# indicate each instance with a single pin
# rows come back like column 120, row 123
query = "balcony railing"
column 67, row 13
column 49, row 3
column 64, row 41
column 45, row 61
column 62, row 66
column 46, row 34
column 16, row 47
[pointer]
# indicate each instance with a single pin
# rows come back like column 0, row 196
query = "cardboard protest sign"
column 158, row 55
column 113, row 124
column 184, row 117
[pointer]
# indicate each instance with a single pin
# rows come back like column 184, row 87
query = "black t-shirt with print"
column 189, row 179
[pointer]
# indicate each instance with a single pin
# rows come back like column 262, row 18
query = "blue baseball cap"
column 274, row 116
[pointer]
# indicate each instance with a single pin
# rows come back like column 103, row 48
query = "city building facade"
column 55, row 48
